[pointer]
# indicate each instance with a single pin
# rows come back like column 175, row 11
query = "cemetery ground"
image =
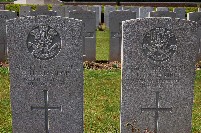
column 102, row 88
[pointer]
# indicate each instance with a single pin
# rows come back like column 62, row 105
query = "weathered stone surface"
column 2, row 7
column 42, row 10
column 46, row 74
column 89, row 21
column 133, row 9
column 41, row 2
column 180, row 12
column 115, row 22
column 25, row 11
column 196, row 16
column 120, row 8
column 69, row 8
column 60, row 10
column 162, row 9
column 162, row 14
column 4, row 15
column 158, row 74
column 144, row 11
column 96, row 9
column 107, row 10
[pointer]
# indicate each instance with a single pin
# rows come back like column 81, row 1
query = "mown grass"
column 101, row 100
column 102, row 45
column 5, row 110
column 197, row 104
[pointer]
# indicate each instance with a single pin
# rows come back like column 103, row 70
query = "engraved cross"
column 156, row 110
column 46, row 108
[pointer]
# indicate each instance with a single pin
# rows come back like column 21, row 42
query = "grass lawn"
column 101, row 96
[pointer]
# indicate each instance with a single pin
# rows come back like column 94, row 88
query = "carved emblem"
column 44, row 42
column 159, row 44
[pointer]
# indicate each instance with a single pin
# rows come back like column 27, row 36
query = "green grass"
column 102, row 45
column 102, row 100
column 197, row 104
column 5, row 110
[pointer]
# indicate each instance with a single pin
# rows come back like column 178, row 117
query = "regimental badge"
column 159, row 45
column 44, row 42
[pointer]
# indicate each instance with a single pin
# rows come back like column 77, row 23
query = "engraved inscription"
column 44, row 42
column 40, row 76
column 159, row 44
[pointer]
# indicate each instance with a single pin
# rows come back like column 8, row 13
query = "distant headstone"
column 162, row 9
column 41, row 2
column 46, row 74
column 180, row 12
column 115, row 24
column 53, row 2
column 60, row 10
column 42, row 10
column 107, row 10
column 144, row 11
column 196, row 16
column 84, row 7
column 133, row 9
column 162, row 14
column 2, row 7
column 158, row 74
column 199, row 9
column 25, row 11
column 69, row 8
column 97, row 10
column 120, row 8
column 89, row 33
column 4, row 15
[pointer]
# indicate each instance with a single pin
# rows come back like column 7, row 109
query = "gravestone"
column 196, row 16
column 144, row 11
column 107, row 10
column 133, row 9
column 41, row 2
column 2, row 7
column 115, row 22
column 89, row 32
column 180, row 12
column 162, row 9
column 4, row 15
column 158, row 74
column 120, row 8
column 97, row 10
column 199, row 9
column 84, row 7
column 162, row 14
column 53, row 2
column 42, row 10
column 60, row 10
column 25, row 11
column 46, row 74
column 69, row 8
